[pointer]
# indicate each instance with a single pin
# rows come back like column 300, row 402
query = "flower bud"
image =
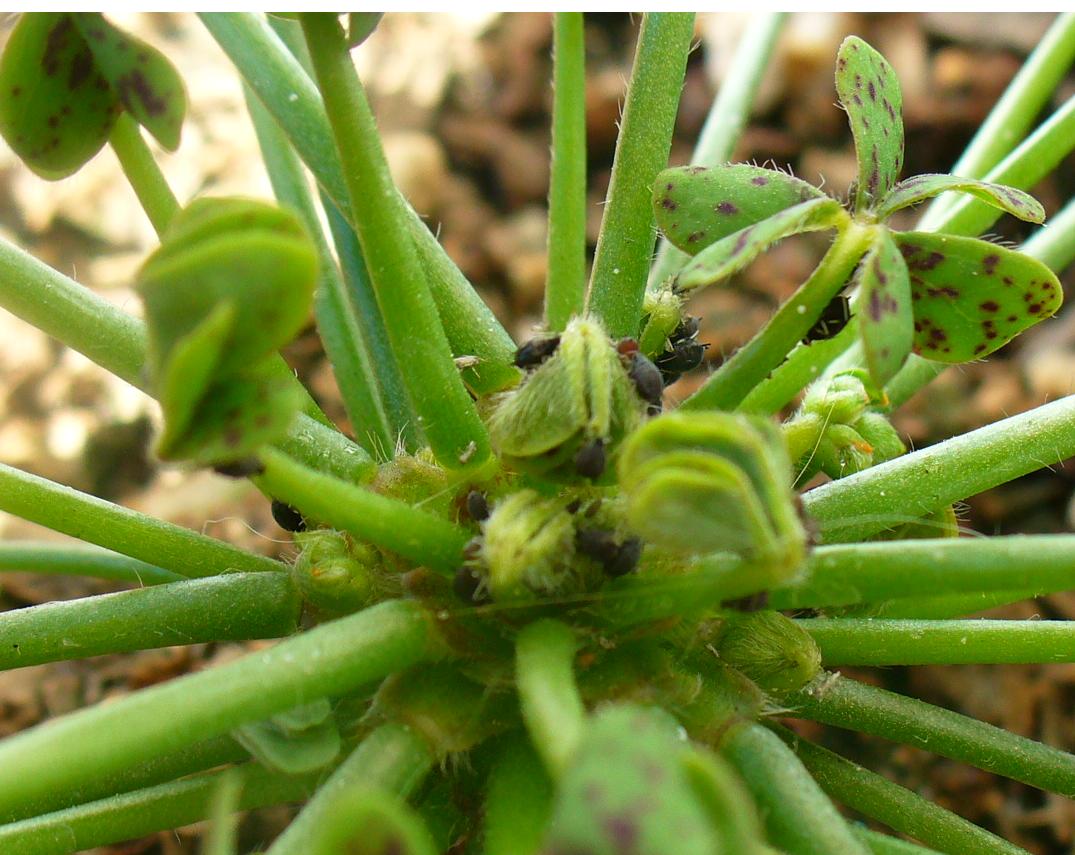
column 333, row 573
column 771, row 650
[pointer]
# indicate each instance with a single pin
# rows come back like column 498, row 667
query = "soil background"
column 463, row 101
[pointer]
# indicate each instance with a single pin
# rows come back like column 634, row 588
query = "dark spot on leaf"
column 990, row 334
column 979, row 348
column 622, row 831
column 1011, row 319
column 81, row 68
column 937, row 334
column 727, row 208
column 694, row 237
column 989, row 264
column 943, row 291
column 135, row 85
column 1034, row 308
column 990, row 306
column 53, row 121
column 841, row 63
column 16, row 91
column 742, row 240
column 668, row 204
column 759, row 180
column 918, row 326
column 856, row 99
column 55, row 44
column 872, row 91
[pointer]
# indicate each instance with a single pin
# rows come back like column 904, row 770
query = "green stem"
column 916, row 484
column 849, row 641
column 832, row 699
column 143, row 173
column 730, row 384
column 551, row 705
column 336, row 658
column 883, row 844
column 340, row 329
column 622, row 258
column 518, row 800
column 444, row 409
column 1054, row 243
column 727, row 118
column 1033, row 160
column 1027, row 94
column 219, row 838
column 286, row 90
column 233, row 607
column 389, row 523
column 23, row 556
column 895, row 806
column 798, row 816
column 114, row 527
column 565, row 288
column 875, row 572
column 943, row 606
column 143, row 812
column 392, row 757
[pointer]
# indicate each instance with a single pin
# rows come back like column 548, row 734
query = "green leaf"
column 918, row 188
column 56, row 108
column 734, row 252
column 236, row 417
column 971, row 297
column 294, row 742
column 886, row 321
column 268, row 271
column 142, row 78
column 360, row 25
column 870, row 93
column 371, row 822
column 696, row 206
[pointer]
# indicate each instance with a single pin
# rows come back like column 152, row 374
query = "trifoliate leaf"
column 56, row 108
column 734, row 252
column 886, row 322
column 293, row 742
column 870, row 93
column 918, row 188
column 696, row 206
column 142, row 78
column 971, row 297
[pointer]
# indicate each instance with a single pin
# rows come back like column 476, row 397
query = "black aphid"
column 626, row 560
column 467, row 585
column 685, row 354
column 477, row 506
column 536, row 351
column 287, row 517
column 244, row 468
column 833, row 318
column 648, row 382
column 616, row 559
column 590, row 459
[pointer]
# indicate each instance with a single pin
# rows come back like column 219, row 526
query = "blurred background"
column 463, row 102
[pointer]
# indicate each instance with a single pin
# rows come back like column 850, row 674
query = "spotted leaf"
column 971, row 297
column 734, row 252
column 886, row 323
column 696, row 206
column 870, row 93
column 142, row 78
column 56, row 108
column 918, row 188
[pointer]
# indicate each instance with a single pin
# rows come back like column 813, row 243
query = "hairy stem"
column 334, row 659
column 94, row 520
column 895, row 806
column 25, row 556
column 848, row 641
column 142, row 172
column 389, row 523
column 916, row 484
column 392, row 757
column 233, row 607
column 876, row 572
column 832, row 699
column 565, row 288
column 551, row 705
column 518, row 799
column 726, row 388
column 622, row 258
column 444, row 409
column 727, row 118
column 798, row 816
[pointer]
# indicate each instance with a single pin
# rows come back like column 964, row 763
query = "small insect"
column 468, row 586
column 686, row 351
column 244, row 468
column 477, row 506
column 536, row 351
column 643, row 373
column 590, row 459
column 287, row 517
column 616, row 559
column 833, row 318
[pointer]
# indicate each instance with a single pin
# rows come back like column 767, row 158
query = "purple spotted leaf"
column 971, row 297
column 918, row 188
column 696, row 206
column 734, row 252
column 886, row 322
column 870, row 93
column 142, row 78
column 56, row 108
